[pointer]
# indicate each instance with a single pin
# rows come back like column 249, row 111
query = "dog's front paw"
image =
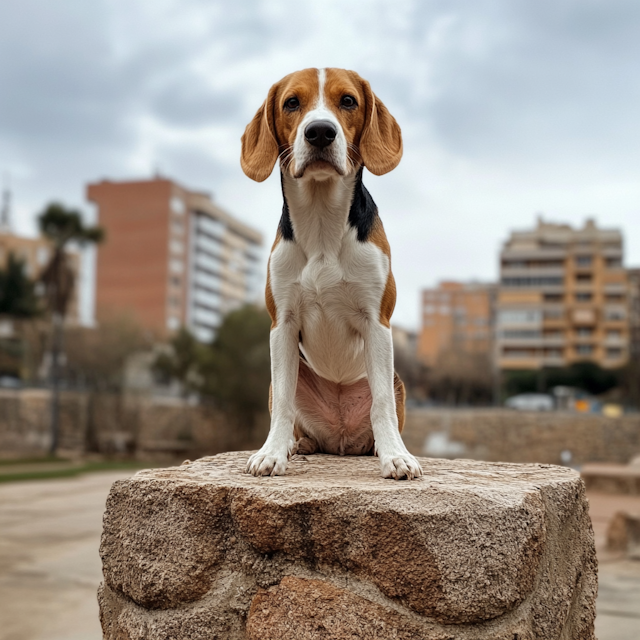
column 267, row 462
column 401, row 466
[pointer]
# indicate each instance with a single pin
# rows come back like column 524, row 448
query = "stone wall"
column 156, row 427
column 331, row 551
column 118, row 424
column 522, row 436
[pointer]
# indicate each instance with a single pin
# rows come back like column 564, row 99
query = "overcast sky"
column 508, row 108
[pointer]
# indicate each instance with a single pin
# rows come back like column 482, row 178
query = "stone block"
column 331, row 550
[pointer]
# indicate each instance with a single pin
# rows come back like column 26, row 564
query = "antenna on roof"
column 5, row 206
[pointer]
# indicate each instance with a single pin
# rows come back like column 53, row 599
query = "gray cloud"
column 508, row 107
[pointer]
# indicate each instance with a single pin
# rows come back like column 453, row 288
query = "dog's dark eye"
column 291, row 104
column 348, row 102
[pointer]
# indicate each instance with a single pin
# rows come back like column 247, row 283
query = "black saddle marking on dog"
column 285, row 227
column 363, row 211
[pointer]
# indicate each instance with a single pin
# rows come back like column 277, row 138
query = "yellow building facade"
column 563, row 298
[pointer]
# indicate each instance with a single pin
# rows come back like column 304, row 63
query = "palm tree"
column 61, row 226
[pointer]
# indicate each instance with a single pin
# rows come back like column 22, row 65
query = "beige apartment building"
column 36, row 253
column 563, row 298
column 634, row 314
column 172, row 257
column 456, row 316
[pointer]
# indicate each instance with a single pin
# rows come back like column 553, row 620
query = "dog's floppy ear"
column 381, row 140
column 259, row 144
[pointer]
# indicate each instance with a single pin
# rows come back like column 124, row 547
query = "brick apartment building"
column 563, row 298
column 172, row 257
column 456, row 316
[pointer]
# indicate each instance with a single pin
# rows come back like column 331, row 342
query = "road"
column 50, row 568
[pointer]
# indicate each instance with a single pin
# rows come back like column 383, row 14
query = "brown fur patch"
column 401, row 396
column 388, row 302
column 268, row 293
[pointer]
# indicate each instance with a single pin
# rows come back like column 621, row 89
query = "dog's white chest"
column 329, row 295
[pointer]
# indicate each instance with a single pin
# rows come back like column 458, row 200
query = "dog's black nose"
column 320, row 133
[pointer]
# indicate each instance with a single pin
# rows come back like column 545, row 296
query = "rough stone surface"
column 332, row 550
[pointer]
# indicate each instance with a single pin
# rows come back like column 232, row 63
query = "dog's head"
column 321, row 123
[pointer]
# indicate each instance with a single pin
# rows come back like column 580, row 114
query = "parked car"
column 530, row 402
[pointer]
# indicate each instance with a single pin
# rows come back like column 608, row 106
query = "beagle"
column 330, row 291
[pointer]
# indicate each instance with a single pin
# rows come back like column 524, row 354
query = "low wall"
column 118, row 424
column 522, row 436
column 170, row 427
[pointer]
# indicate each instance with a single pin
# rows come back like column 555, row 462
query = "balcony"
column 616, row 341
column 585, row 315
column 615, row 287
column 532, row 342
column 515, row 272
column 533, row 254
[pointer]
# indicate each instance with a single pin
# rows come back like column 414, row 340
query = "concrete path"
column 50, row 568
column 49, row 563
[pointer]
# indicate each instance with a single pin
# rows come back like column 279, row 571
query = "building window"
column 584, row 332
column 614, row 353
column 177, row 228
column 207, row 298
column 614, row 314
column 614, row 333
column 518, row 353
column 583, row 278
column 177, row 205
column 613, row 263
column 176, row 266
column 584, row 297
column 429, row 309
column 553, row 314
column 584, row 261
column 552, row 297
column 173, row 323
column 176, row 247
column 521, row 333
column 584, row 349
column 540, row 281
column 519, row 316
column 175, row 281
column 614, row 297
column 211, row 226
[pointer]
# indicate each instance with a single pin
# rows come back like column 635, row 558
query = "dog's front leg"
column 273, row 457
column 395, row 461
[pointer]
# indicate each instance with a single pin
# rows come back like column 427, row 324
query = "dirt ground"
column 50, row 569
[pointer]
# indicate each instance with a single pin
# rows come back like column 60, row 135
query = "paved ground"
column 618, row 579
column 49, row 564
column 50, row 569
